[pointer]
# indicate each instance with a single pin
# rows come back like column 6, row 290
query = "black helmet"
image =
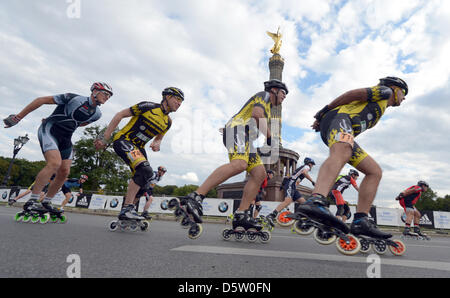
column 308, row 160
column 270, row 172
column 353, row 172
column 423, row 183
column 389, row 81
column 173, row 91
column 275, row 84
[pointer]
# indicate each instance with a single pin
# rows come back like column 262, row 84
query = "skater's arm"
column 35, row 104
column 353, row 182
column 261, row 121
column 115, row 122
column 305, row 172
column 156, row 144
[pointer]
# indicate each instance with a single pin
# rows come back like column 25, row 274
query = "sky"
column 217, row 52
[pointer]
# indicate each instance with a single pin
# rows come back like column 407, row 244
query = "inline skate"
column 265, row 223
column 416, row 235
column 370, row 237
column 56, row 215
column 244, row 226
column 129, row 220
column 313, row 217
column 32, row 211
column 281, row 218
column 189, row 209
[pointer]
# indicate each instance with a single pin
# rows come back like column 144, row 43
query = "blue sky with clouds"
column 217, row 52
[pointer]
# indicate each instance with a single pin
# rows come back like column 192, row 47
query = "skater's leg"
column 54, row 162
column 340, row 154
column 369, row 185
column 221, row 174
column 61, row 175
column 257, row 176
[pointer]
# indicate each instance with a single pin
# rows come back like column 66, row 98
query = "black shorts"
column 65, row 189
column 130, row 153
column 51, row 138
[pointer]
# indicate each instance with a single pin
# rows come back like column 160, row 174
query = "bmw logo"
column 4, row 195
column 223, row 207
column 114, row 202
column 164, row 205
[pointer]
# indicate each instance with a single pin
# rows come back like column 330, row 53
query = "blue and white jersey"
column 73, row 182
column 72, row 111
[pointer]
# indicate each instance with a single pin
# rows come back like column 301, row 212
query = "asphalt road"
column 52, row 250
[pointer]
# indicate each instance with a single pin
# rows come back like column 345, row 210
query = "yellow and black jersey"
column 366, row 114
column 147, row 122
column 243, row 117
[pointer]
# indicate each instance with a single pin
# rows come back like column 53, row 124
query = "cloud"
column 218, row 55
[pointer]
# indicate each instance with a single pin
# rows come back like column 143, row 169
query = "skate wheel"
column 239, row 234
column 302, row 228
column 26, row 218
column 185, row 222
column 35, row 218
column 195, row 231
column 398, row 251
column 380, row 247
column 18, row 217
column 44, row 219
column 365, row 245
column 113, row 226
column 173, row 203
column 283, row 221
column 53, row 219
column 133, row 227
column 348, row 248
column 251, row 235
column 63, row 219
column 226, row 234
column 145, row 226
column 323, row 237
column 265, row 237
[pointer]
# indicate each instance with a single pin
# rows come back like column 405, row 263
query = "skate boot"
column 129, row 219
column 371, row 237
column 128, row 213
column 146, row 215
column 272, row 217
column 244, row 226
column 421, row 236
column 193, row 203
column 190, row 211
column 56, row 215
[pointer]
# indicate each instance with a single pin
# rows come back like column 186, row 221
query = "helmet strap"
column 166, row 109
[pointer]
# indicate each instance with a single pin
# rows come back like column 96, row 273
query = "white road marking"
column 310, row 256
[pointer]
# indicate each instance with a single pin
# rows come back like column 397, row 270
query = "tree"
column 103, row 167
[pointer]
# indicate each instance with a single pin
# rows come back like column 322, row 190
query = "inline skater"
column 55, row 134
column 30, row 188
column 70, row 183
column 341, row 184
column 339, row 123
column 148, row 192
column 408, row 199
column 238, row 135
column 149, row 121
column 290, row 187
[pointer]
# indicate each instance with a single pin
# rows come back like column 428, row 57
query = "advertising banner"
column 441, row 220
column 114, row 203
column 4, row 194
column 217, row 207
column 160, row 205
column 388, row 216
column 83, row 201
column 98, row 202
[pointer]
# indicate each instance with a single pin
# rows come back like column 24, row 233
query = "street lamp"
column 18, row 144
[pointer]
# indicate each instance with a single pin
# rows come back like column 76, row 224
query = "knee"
column 239, row 166
column 63, row 173
column 54, row 165
column 143, row 174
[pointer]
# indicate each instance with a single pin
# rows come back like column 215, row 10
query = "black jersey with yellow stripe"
column 366, row 114
column 243, row 117
column 147, row 122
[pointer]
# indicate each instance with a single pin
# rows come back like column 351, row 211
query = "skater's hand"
column 99, row 144
column 155, row 145
column 11, row 120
